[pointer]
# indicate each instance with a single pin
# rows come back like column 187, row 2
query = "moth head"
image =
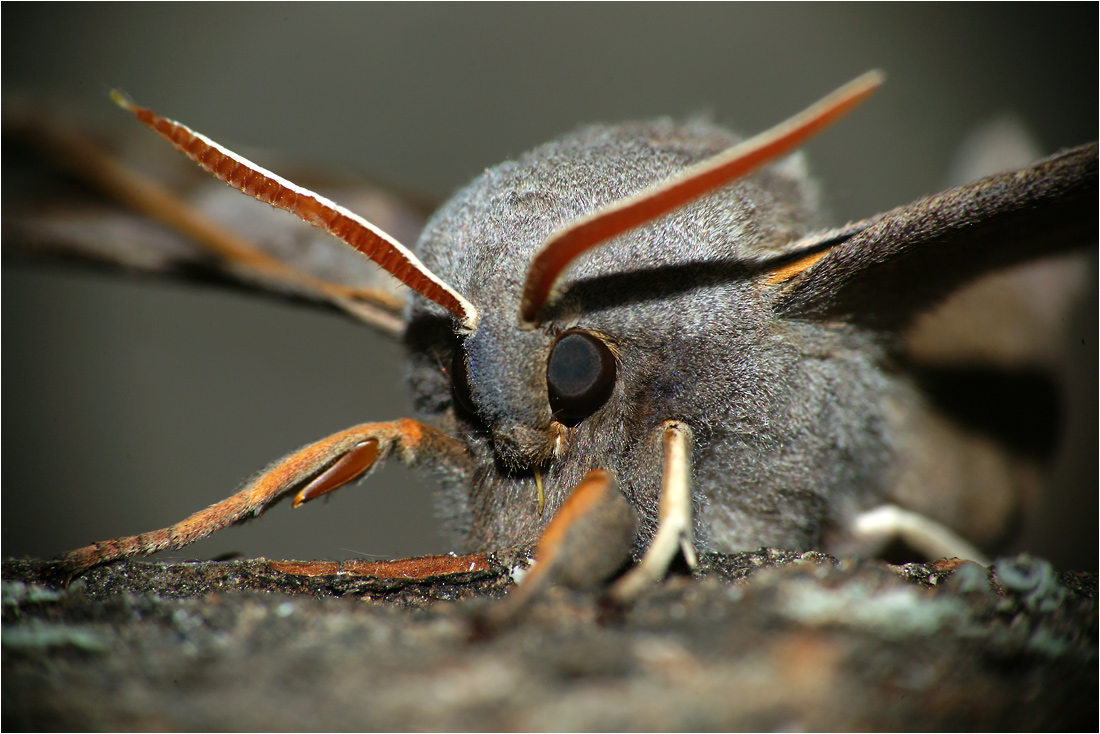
column 544, row 364
column 530, row 359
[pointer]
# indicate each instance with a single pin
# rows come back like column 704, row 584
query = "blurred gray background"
column 128, row 405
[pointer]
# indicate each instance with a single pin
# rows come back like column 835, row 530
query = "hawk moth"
column 790, row 511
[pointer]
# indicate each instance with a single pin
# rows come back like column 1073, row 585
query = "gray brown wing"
column 884, row 271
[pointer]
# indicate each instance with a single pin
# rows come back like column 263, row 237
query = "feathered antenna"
column 583, row 234
column 259, row 183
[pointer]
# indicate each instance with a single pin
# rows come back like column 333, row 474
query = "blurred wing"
column 55, row 206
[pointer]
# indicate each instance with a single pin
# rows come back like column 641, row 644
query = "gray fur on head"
column 786, row 415
column 716, row 317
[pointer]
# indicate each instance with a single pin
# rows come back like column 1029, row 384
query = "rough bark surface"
column 765, row 640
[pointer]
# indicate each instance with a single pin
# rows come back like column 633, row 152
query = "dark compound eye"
column 460, row 384
column 580, row 376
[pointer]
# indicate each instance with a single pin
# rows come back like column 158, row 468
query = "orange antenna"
column 585, row 233
column 259, row 183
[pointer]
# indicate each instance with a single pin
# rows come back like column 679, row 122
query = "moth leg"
column 588, row 540
column 674, row 530
column 923, row 534
column 313, row 470
column 422, row 567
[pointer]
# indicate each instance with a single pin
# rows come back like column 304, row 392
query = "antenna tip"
column 874, row 78
column 122, row 100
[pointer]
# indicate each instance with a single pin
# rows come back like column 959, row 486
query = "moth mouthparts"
column 540, row 494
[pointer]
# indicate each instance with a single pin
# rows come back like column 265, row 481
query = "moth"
column 654, row 312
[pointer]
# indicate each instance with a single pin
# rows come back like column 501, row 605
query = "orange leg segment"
column 423, row 567
column 591, row 536
column 321, row 467
column 589, row 539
